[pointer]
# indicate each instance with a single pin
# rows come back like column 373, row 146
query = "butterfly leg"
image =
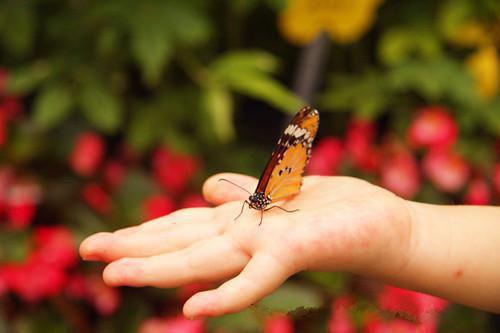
column 261, row 216
column 242, row 207
column 283, row 209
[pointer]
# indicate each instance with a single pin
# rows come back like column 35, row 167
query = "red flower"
column 278, row 324
column 326, row 157
column 496, row 177
column 376, row 325
column 34, row 280
column 193, row 200
column 447, row 170
column 478, row 192
column 87, row 154
column 433, row 127
column 21, row 204
column 4, row 286
column 4, row 77
column 173, row 171
column 114, row 172
column 77, row 287
column 6, row 181
column 178, row 324
column 55, row 246
column 97, row 198
column 340, row 320
column 359, row 145
column 188, row 290
column 400, row 174
column 420, row 308
column 157, row 206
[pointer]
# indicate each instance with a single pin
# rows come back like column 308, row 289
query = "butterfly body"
column 282, row 176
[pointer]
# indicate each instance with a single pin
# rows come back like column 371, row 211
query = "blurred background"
column 113, row 112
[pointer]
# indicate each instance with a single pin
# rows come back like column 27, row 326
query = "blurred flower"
column 376, row 325
column 6, row 181
column 484, row 66
column 34, row 280
column 478, row 192
column 447, row 170
column 97, row 198
column 400, row 174
column 178, row 324
column 173, row 170
column 340, row 320
column 432, row 127
column 359, row 145
column 54, row 245
column 11, row 107
column 87, row 153
column 278, row 324
column 4, row 77
column 326, row 157
column 114, row 172
column 157, row 206
column 105, row 299
column 193, row 200
column 420, row 308
column 344, row 20
column 470, row 34
column 4, row 287
column 76, row 286
column 21, row 204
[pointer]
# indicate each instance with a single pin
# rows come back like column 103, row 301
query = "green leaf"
column 291, row 296
column 18, row 27
column 248, row 60
column 146, row 127
column 242, row 322
column 24, row 80
column 101, row 107
column 52, row 105
column 182, row 14
column 218, row 104
column 151, row 41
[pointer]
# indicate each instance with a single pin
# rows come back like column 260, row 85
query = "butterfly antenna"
column 230, row 182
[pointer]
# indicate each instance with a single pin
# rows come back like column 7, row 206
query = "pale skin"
column 343, row 224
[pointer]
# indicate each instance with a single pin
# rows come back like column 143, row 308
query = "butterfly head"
column 259, row 201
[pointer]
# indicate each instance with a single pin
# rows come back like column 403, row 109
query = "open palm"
column 342, row 223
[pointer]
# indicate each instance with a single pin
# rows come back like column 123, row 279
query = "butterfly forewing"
column 283, row 174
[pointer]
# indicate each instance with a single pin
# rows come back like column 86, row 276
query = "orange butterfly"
column 283, row 174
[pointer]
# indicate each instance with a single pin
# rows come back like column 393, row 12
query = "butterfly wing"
column 283, row 174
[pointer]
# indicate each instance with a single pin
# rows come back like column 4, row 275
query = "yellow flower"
column 484, row 67
column 344, row 20
column 470, row 34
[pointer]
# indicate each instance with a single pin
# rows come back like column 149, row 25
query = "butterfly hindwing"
column 283, row 174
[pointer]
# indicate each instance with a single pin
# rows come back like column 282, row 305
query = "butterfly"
column 282, row 176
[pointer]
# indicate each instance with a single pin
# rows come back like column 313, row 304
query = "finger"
column 263, row 274
column 164, row 234
column 209, row 260
column 218, row 192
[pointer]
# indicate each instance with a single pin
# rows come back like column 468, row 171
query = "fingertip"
column 218, row 191
column 91, row 246
column 202, row 304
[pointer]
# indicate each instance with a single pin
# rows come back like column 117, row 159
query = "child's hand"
column 342, row 224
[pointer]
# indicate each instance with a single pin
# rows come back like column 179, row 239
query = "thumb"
column 218, row 191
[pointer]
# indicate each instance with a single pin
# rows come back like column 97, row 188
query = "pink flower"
column 55, row 246
column 97, row 198
column 340, row 320
column 87, row 153
column 478, row 192
column 157, row 206
column 193, row 200
column 77, row 287
column 326, row 157
column 447, row 170
column 359, row 145
column 34, row 280
column 433, row 127
column 105, row 299
column 396, row 325
column 172, row 170
column 278, row 324
column 114, row 172
column 178, row 324
column 400, row 174
column 21, row 204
